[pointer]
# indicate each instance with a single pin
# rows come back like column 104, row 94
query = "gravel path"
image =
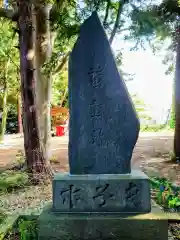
column 34, row 197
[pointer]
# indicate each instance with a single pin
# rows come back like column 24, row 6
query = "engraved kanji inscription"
column 131, row 195
column 102, row 195
column 72, row 196
column 96, row 135
column 95, row 109
column 95, row 77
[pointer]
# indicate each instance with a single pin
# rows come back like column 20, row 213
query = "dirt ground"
column 151, row 154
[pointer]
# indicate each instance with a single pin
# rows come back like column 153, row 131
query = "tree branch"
column 9, row 14
column 116, row 24
column 107, row 12
column 64, row 96
column 61, row 65
column 122, row 30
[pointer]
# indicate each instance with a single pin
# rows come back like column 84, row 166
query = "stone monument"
column 103, row 124
column 101, row 196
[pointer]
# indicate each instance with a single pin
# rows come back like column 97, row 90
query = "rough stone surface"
column 102, row 193
column 103, row 126
column 102, row 226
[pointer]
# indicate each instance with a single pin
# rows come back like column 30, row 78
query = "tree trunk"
column 107, row 13
column 19, row 110
column 116, row 24
column 42, row 54
column 4, row 113
column 5, row 108
column 35, row 156
column 64, row 96
column 177, row 101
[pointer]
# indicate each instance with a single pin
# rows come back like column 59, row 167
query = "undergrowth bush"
column 167, row 194
column 19, row 157
column 23, row 229
column 10, row 180
column 54, row 159
column 27, row 229
column 2, row 215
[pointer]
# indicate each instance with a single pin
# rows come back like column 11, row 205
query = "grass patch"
column 2, row 215
column 11, row 180
column 155, row 128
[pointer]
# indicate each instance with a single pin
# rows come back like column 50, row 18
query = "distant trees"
column 141, row 108
column 161, row 20
column 45, row 32
column 9, row 68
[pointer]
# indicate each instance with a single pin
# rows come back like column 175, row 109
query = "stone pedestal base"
column 73, row 226
column 118, row 193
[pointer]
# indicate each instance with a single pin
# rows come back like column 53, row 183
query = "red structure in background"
column 59, row 120
column 59, row 117
column 60, row 130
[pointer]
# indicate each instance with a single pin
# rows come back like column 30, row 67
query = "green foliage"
column 59, row 86
column 172, row 118
column 9, row 67
column 19, row 160
column 11, row 180
column 2, row 215
column 154, row 128
column 167, row 195
column 157, row 21
column 9, row 53
column 27, row 229
column 172, row 114
column 54, row 160
column 66, row 24
column 141, row 107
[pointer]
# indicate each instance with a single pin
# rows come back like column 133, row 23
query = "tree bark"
column 177, row 100
column 116, row 24
column 4, row 106
column 42, row 54
column 4, row 113
column 19, row 110
column 35, row 156
column 64, row 96
column 106, row 13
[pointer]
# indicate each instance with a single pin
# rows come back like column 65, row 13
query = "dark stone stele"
column 103, row 127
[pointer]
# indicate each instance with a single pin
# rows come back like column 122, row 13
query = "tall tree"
column 8, row 70
column 162, row 21
column 35, row 159
column 37, row 24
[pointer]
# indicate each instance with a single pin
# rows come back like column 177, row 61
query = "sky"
column 149, row 81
